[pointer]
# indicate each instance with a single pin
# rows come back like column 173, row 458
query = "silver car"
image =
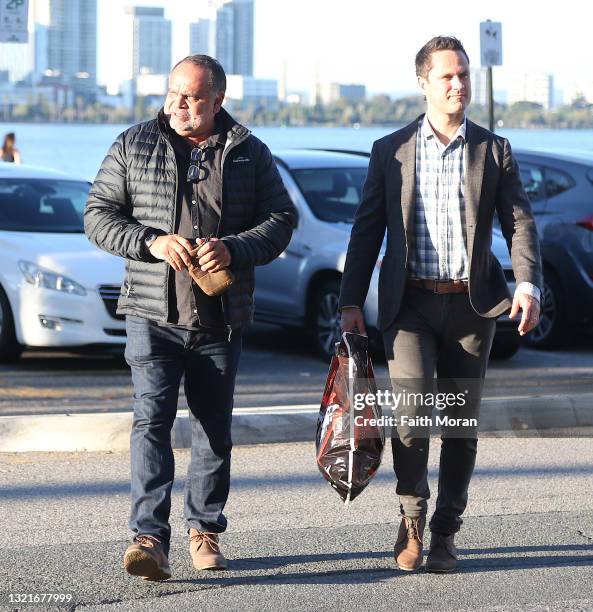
column 301, row 287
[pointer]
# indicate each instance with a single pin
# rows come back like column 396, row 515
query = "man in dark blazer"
column 435, row 186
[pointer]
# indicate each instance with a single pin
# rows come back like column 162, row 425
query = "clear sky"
column 374, row 41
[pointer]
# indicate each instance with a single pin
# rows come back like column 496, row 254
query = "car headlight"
column 41, row 277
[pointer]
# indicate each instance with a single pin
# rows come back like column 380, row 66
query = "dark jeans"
column 442, row 333
column 158, row 357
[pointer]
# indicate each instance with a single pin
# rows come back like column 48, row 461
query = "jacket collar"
column 428, row 133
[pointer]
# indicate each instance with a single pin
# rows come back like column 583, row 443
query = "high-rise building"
column 234, row 37
column 225, row 34
column 202, row 37
column 39, row 22
column 151, row 35
column 41, row 41
column 532, row 87
column 243, row 37
column 14, row 59
column 72, row 44
column 479, row 86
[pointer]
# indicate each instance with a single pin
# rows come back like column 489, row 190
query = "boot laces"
column 412, row 529
column 201, row 537
column 146, row 540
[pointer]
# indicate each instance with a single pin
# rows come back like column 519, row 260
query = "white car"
column 56, row 288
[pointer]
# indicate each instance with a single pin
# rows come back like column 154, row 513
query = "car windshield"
column 333, row 194
column 42, row 205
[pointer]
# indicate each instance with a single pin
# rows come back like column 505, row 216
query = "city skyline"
column 376, row 46
column 305, row 66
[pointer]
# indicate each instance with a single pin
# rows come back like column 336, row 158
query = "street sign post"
column 491, row 55
column 491, row 43
column 13, row 21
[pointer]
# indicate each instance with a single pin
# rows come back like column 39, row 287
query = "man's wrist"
column 229, row 255
column 348, row 308
column 229, row 247
column 528, row 289
column 149, row 240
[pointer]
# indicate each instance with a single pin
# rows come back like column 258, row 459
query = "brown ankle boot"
column 205, row 551
column 408, row 546
column 146, row 558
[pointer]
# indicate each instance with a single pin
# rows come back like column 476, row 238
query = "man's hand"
column 214, row 255
column 173, row 249
column 531, row 311
column 352, row 320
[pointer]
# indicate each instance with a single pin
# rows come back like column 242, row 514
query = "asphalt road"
column 277, row 369
column 526, row 544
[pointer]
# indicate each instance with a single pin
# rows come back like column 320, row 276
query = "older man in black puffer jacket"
column 192, row 176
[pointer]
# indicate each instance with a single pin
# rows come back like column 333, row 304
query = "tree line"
column 379, row 110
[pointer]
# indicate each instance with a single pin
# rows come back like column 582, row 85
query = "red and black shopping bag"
column 350, row 437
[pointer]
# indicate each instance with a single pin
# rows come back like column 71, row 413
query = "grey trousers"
column 436, row 333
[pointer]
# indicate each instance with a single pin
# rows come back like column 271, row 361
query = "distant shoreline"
column 354, row 126
column 379, row 111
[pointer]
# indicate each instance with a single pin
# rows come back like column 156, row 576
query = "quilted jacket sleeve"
column 275, row 216
column 108, row 219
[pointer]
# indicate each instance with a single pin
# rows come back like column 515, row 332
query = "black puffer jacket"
column 134, row 195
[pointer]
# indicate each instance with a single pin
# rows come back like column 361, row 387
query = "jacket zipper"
column 230, row 145
column 168, row 268
column 227, row 148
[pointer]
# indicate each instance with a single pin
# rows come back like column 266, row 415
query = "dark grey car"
column 300, row 288
column 560, row 187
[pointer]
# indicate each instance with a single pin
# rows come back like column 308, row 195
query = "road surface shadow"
column 100, row 360
column 517, row 560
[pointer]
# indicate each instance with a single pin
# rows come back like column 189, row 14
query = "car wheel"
column 9, row 348
column 551, row 329
column 505, row 349
column 326, row 318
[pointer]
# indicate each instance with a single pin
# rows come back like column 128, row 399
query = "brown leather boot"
column 408, row 546
column 205, row 551
column 442, row 556
column 146, row 557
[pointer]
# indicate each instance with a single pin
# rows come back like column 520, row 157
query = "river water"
column 78, row 149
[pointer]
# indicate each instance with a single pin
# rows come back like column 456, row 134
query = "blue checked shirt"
column 439, row 223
